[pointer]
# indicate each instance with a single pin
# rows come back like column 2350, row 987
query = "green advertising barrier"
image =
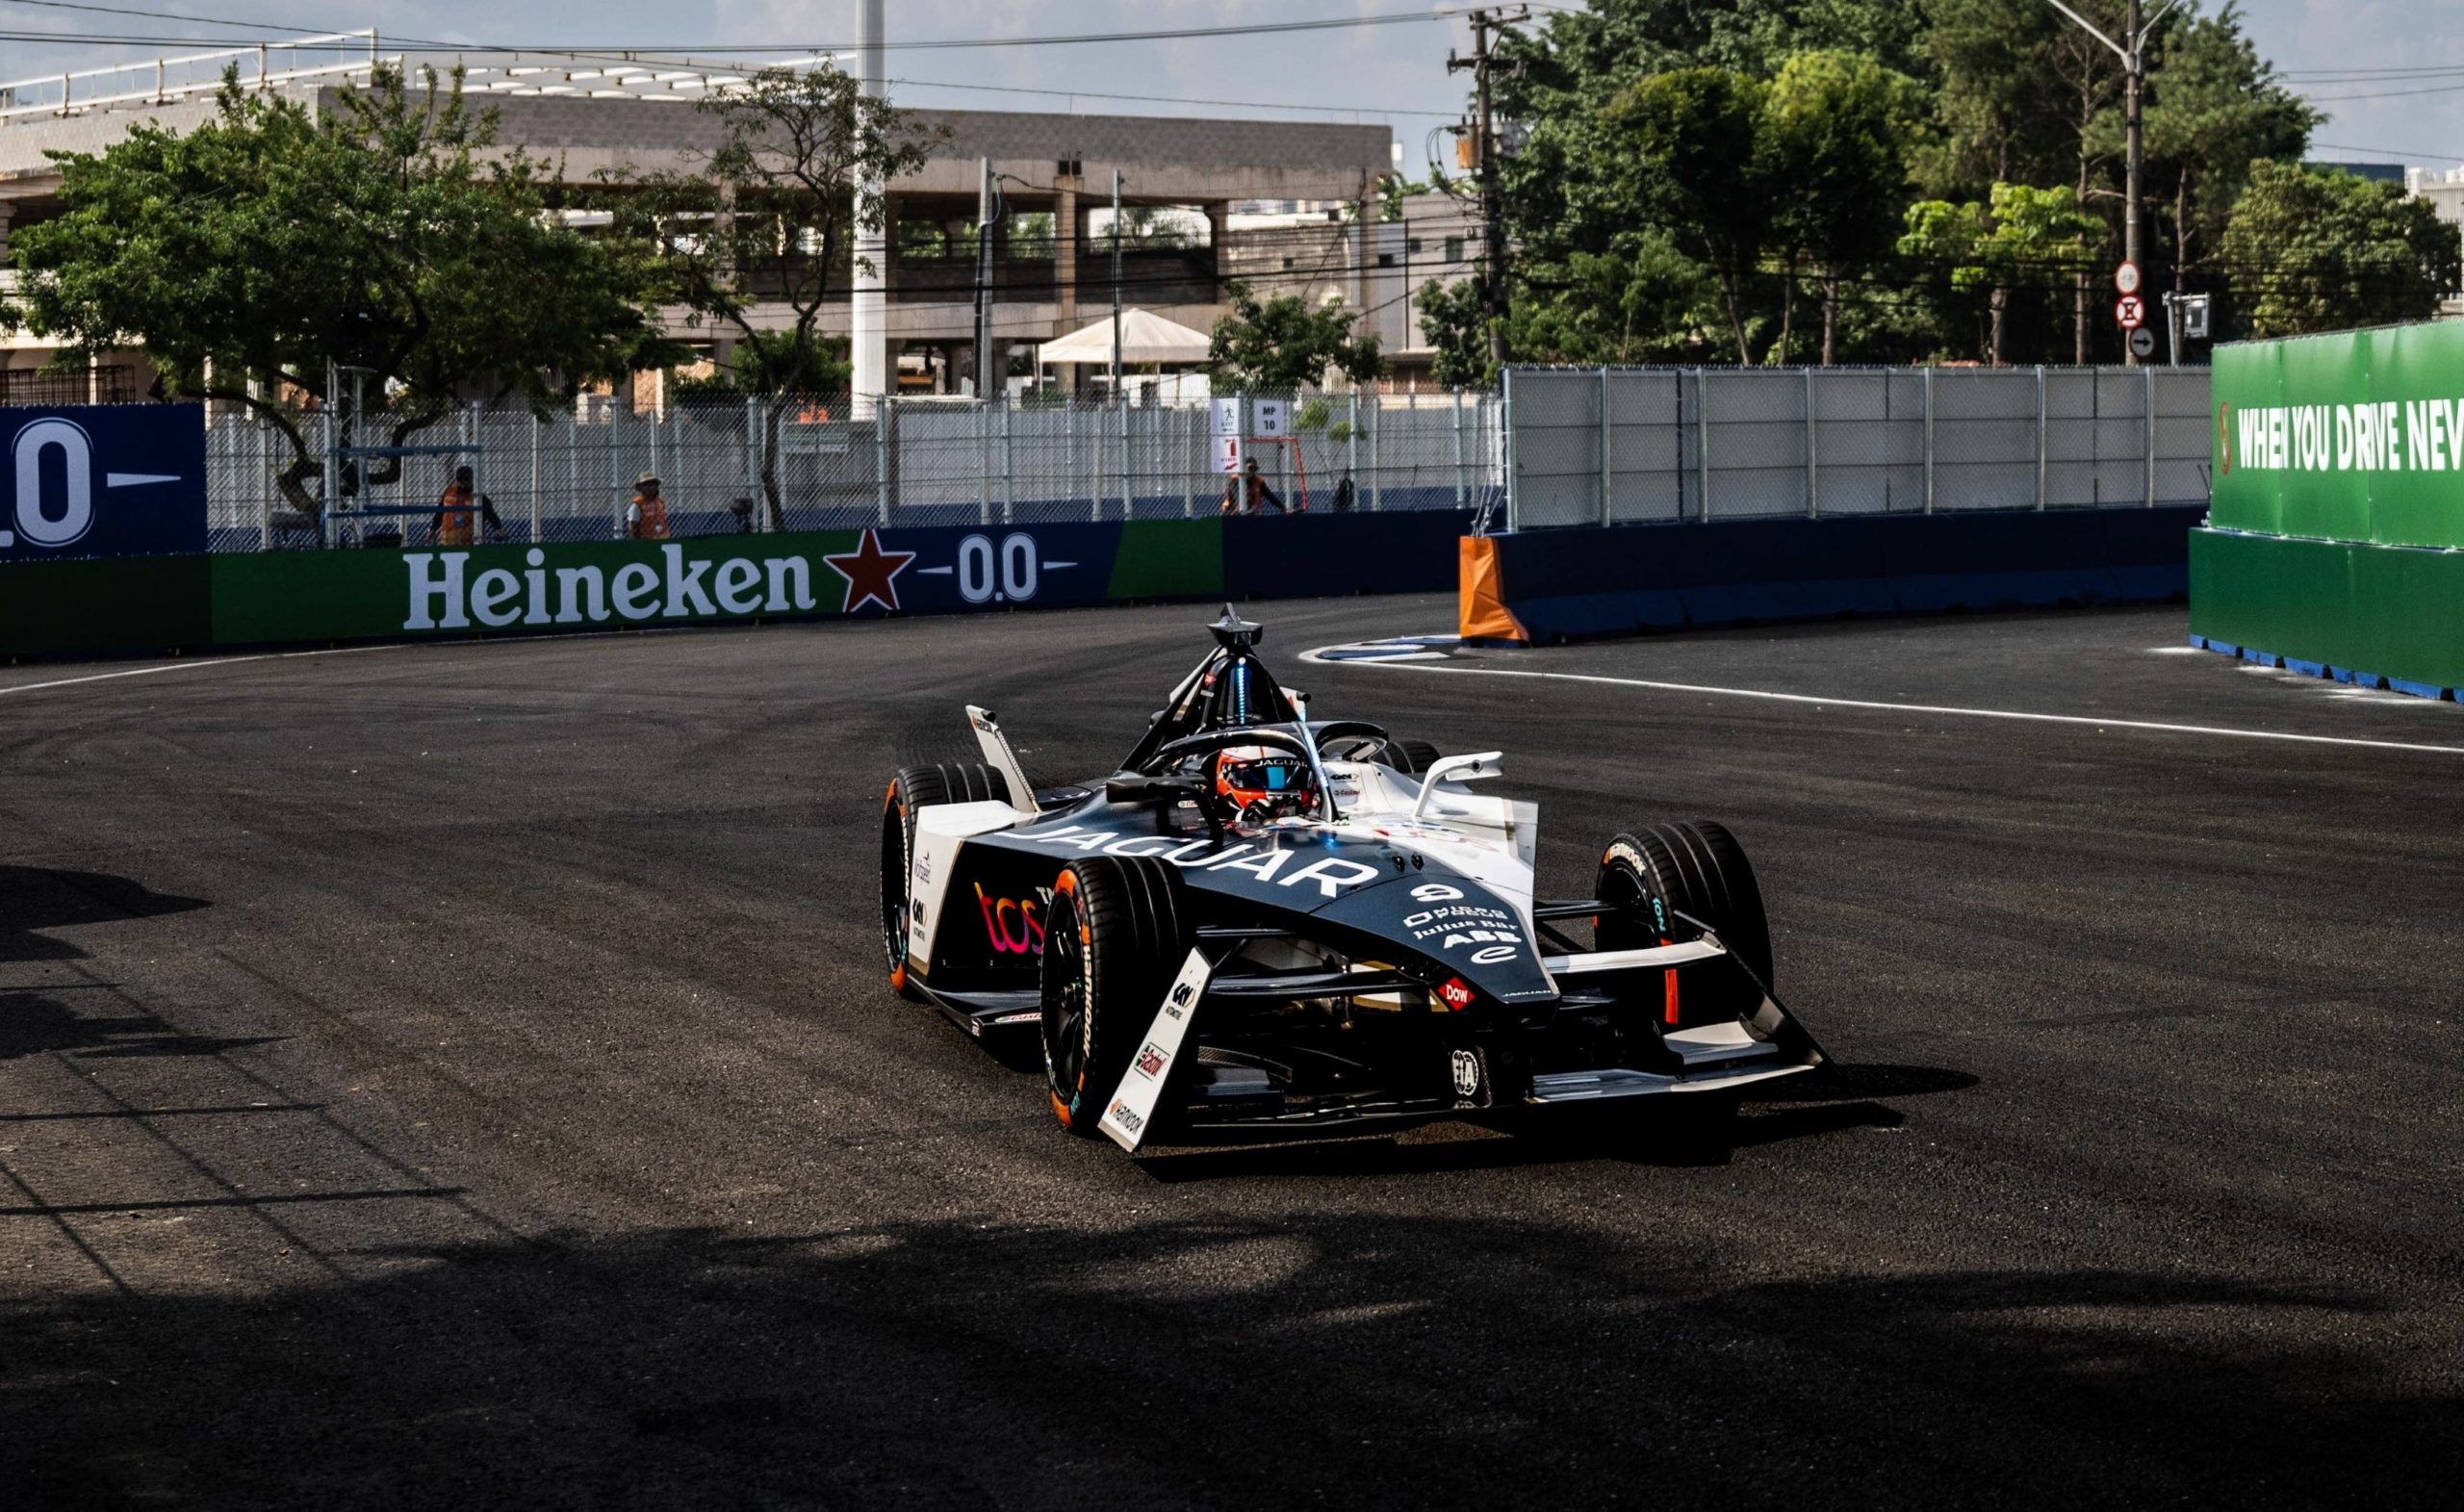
column 2360, row 613
column 328, row 597
column 104, row 606
column 2357, row 436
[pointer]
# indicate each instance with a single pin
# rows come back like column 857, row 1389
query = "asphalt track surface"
column 462, row 1075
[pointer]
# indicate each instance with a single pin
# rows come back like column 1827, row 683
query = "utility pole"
column 1484, row 146
column 984, row 220
column 2132, row 50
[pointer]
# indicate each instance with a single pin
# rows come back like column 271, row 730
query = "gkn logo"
column 56, row 473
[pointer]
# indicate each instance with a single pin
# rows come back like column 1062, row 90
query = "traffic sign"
column 2126, row 278
column 2142, row 344
column 2130, row 312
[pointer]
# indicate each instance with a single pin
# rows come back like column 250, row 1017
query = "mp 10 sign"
column 102, row 481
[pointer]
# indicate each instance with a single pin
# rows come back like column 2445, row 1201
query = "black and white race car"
column 1266, row 922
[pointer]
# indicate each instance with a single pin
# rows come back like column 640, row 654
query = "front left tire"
column 915, row 789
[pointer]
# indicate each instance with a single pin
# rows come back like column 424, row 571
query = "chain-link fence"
column 807, row 463
column 1742, row 444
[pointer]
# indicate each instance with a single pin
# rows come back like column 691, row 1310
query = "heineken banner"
column 272, row 598
column 2357, row 436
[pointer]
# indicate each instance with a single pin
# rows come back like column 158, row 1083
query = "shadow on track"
column 1363, row 1359
column 39, row 898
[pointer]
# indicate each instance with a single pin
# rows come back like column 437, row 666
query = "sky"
column 1390, row 73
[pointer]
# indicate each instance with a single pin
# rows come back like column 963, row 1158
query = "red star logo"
column 871, row 574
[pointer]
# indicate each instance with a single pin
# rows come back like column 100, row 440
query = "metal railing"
column 1686, row 443
column 735, row 464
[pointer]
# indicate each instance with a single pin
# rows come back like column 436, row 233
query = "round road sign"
column 2130, row 312
column 2126, row 278
column 2142, row 344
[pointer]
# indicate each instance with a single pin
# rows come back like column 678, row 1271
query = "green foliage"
column 2326, row 251
column 1837, row 131
column 266, row 242
column 1456, row 325
column 1765, row 150
column 2212, row 109
column 2023, row 238
column 1280, row 345
column 771, row 218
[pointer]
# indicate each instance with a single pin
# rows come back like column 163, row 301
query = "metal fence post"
column 1128, row 497
column 982, row 428
column 1460, row 500
column 1376, row 466
column 1813, row 494
column 1505, row 430
column 752, row 461
column 538, row 444
column 1929, row 438
column 886, row 451
column 1009, row 465
column 2147, row 392
column 1351, row 438
column 615, row 462
column 2042, row 445
column 1607, row 456
column 1199, row 420
column 328, row 498
column 261, row 434
column 1703, row 438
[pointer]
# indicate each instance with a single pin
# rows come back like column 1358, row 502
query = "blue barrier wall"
column 1569, row 585
column 101, row 480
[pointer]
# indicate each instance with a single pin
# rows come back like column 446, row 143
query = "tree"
column 1700, row 131
column 770, row 219
column 1837, row 129
column 2024, row 238
column 2214, row 107
column 2311, row 251
column 1644, row 302
column 1282, row 343
column 266, row 244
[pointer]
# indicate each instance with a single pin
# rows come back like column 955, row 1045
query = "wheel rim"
column 1065, row 1001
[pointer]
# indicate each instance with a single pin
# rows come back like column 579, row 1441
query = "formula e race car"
column 1264, row 922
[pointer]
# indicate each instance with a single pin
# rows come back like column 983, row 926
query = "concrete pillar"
column 868, row 308
column 1065, row 244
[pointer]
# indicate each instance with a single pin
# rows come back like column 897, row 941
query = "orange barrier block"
column 1481, row 596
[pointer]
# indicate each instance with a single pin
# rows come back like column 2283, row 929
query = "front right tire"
column 1116, row 936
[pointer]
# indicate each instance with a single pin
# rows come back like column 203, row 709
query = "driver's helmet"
column 1259, row 783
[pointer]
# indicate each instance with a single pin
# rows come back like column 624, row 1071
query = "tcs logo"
column 52, row 462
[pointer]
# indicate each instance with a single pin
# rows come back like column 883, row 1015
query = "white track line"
column 188, row 666
column 1442, row 668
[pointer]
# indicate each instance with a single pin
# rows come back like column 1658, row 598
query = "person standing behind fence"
column 451, row 524
column 1249, row 494
column 646, row 516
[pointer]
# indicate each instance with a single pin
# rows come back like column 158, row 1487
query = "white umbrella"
column 1145, row 338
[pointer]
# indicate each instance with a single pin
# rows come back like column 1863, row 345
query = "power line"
column 1072, row 39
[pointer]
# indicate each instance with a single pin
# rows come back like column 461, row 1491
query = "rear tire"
column 1695, row 868
column 1114, row 938
column 914, row 788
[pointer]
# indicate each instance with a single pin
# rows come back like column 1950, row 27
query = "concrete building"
column 1052, row 263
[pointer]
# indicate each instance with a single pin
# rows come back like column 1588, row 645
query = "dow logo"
column 60, row 484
